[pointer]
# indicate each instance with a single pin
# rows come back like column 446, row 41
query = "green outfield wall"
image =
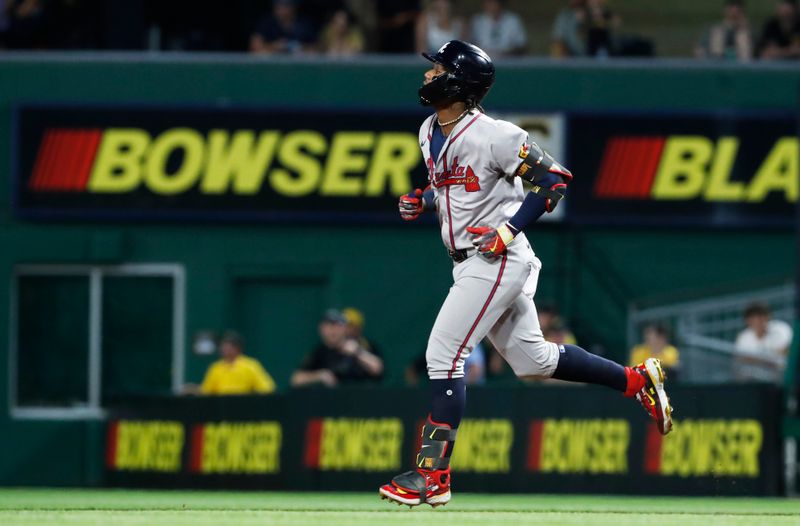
column 272, row 280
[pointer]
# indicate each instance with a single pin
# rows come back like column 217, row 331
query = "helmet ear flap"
column 442, row 89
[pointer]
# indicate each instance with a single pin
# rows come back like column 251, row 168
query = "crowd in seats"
column 759, row 353
column 344, row 355
column 733, row 37
column 344, row 28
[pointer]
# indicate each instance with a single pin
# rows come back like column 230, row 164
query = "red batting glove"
column 411, row 205
column 491, row 241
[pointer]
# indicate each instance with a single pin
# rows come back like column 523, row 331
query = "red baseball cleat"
column 417, row 487
column 652, row 397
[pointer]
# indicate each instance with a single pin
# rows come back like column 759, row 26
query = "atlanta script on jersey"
column 473, row 179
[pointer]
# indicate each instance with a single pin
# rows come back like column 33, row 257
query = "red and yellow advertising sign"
column 236, row 162
column 246, row 164
column 353, row 444
column 565, row 446
column 706, row 447
column 705, row 169
column 484, row 445
column 236, row 447
column 145, row 445
column 682, row 168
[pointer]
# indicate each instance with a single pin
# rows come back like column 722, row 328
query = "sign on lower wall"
column 235, row 447
column 577, row 439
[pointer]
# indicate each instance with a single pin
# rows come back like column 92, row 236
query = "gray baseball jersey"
column 474, row 185
column 472, row 178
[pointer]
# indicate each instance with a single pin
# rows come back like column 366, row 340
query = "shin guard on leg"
column 433, row 463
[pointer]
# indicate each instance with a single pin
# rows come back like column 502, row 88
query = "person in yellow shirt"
column 656, row 345
column 235, row 373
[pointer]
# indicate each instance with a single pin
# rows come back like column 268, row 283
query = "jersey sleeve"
column 508, row 142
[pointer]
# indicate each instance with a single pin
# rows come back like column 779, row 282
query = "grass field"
column 179, row 508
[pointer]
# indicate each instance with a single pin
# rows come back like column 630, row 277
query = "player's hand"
column 491, row 241
column 411, row 205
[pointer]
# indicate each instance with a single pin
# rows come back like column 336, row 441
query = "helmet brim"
column 430, row 57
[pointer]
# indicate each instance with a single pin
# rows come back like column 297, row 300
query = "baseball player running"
column 476, row 166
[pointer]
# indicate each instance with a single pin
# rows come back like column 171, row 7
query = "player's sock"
column 448, row 401
column 577, row 365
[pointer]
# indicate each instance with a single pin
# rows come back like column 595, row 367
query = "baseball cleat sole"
column 657, row 377
column 434, row 500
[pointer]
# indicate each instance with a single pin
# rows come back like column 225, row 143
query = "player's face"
column 434, row 72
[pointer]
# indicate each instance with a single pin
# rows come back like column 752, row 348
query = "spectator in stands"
column 553, row 325
column 235, row 373
column 558, row 333
column 601, row 23
column 731, row 38
column 569, row 31
column 355, row 329
column 498, row 31
column 283, row 31
column 337, row 358
column 396, row 23
column 780, row 38
column 437, row 25
column 553, row 329
column 656, row 345
column 342, row 37
column 762, row 347
column 320, row 12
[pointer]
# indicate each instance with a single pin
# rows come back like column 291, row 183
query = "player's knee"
column 540, row 360
column 439, row 365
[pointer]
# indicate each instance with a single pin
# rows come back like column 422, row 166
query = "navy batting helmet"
column 470, row 74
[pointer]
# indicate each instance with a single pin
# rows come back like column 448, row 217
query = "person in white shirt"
column 498, row 31
column 438, row 25
column 763, row 346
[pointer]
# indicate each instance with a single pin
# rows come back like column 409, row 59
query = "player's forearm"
column 533, row 207
column 429, row 199
column 535, row 204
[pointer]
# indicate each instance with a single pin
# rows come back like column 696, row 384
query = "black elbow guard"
column 548, row 177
